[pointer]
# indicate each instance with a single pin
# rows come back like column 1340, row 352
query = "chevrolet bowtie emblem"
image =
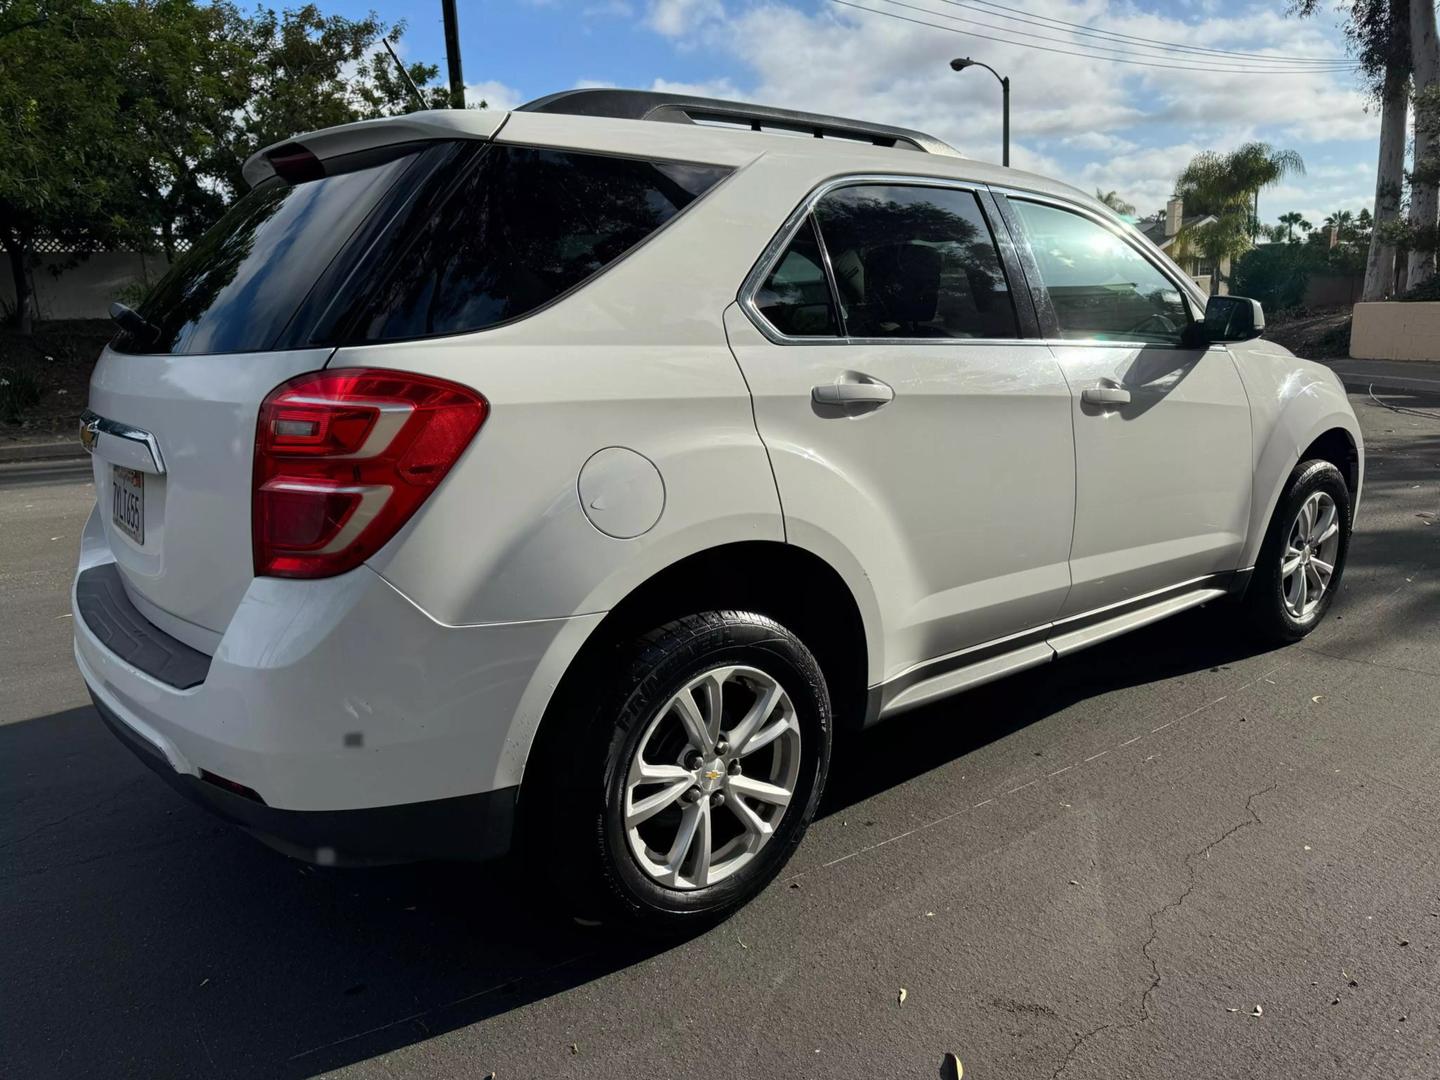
column 89, row 434
column 713, row 774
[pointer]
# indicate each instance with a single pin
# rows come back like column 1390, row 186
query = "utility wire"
column 1067, row 52
column 1049, row 22
column 1318, row 65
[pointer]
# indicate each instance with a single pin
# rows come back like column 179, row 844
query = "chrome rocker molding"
column 946, row 675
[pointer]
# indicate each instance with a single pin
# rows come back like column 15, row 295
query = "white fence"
column 85, row 290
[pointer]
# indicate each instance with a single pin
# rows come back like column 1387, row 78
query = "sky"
column 1081, row 119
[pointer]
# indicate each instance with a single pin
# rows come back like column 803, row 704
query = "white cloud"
column 496, row 95
column 1136, row 125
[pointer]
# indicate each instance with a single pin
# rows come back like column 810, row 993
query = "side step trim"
column 950, row 674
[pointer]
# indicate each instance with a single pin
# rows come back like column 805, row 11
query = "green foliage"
column 1276, row 274
column 1113, row 200
column 1226, row 186
column 125, row 122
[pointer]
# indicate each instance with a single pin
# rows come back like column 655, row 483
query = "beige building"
column 1165, row 229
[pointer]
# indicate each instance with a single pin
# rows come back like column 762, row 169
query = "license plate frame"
column 127, row 502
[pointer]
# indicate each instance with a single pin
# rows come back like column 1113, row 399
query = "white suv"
column 565, row 478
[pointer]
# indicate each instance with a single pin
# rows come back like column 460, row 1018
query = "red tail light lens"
column 344, row 457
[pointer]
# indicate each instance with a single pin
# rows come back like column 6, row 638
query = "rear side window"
column 915, row 262
column 523, row 227
column 239, row 286
column 795, row 298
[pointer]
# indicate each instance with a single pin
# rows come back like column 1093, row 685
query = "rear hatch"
column 174, row 400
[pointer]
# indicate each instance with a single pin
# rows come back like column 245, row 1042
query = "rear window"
column 522, row 228
column 240, row 285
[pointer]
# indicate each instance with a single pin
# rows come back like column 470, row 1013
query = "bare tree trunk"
column 1390, row 174
column 1425, row 53
column 16, row 251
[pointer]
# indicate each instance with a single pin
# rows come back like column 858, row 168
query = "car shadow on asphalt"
column 148, row 932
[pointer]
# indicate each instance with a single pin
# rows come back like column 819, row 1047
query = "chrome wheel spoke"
column 692, row 845
column 768, row 735
column 1324, row 520
column 739, row 737
column 760, row 789
column 644, row 809
column 690, row 716
column 1325, row 571
column 752, row 822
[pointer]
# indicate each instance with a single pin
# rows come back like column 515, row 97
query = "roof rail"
column 684, row 109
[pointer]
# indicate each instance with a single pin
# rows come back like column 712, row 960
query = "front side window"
column 914, row 261
column 795, row 298
column 523, row 227
column 1099, row 286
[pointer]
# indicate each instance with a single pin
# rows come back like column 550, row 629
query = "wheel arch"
column 790, row 584
column 1334, row 437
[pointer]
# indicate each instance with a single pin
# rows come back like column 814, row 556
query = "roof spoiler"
column 685, row 109
column 425, row 126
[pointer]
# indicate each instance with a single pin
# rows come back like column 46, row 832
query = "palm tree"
column 1227, row 187
column 1343, row 222
column 1113, row 200
column 1290, row 221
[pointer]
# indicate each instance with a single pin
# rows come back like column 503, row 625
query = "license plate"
column 127, row 502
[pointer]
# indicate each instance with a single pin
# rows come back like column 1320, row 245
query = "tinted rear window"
column 523, row 227
column 239, row 286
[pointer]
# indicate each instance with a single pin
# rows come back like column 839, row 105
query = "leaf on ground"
column 1318, row 698
column 1232, row 1010
column 951, row 1068
column 903, row 995
column 1257, row 1011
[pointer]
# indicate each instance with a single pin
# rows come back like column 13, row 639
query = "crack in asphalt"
column 1251, row 818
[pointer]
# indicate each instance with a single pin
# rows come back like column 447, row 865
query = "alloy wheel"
column 711, row 777
column 1307, row 565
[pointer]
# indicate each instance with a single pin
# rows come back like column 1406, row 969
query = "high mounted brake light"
column 294, row 164
column 344, row 457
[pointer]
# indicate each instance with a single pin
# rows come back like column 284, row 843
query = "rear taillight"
column 344, row 457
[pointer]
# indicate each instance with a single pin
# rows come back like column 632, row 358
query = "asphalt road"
column 1171, row 856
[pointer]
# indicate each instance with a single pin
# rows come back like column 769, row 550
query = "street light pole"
column 452, row 54
column 960, row 64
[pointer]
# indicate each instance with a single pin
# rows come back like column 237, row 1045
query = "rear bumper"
column 360, row 724
column 465, row 827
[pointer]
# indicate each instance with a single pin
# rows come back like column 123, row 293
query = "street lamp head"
column 960, row 63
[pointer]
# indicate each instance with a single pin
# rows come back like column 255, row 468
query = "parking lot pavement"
column 1171, row 856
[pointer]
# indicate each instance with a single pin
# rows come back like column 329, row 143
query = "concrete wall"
column 85, row 290
column 1396, row 331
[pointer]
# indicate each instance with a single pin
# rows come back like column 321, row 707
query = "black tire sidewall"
column 1267, row 591
column 648, row 674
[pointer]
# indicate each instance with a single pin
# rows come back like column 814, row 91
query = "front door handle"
column 853, row 389
column 1105, row 395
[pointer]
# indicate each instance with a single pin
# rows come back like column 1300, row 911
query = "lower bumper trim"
column 470, row 827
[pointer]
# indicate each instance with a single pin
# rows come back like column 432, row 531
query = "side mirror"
column 1233, row 318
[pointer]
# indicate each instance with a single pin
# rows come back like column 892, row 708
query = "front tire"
column 1298, row 572
column 691, row 777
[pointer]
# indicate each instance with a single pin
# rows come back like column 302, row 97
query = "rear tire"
column 1297, row 574
column 667, row 816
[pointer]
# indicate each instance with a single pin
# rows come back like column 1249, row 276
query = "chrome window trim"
column 1187, row 288
column 770, row 257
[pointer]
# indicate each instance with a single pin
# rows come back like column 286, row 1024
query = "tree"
column 1290, row 221
column 1343, row 222
column 1378, row 35
column 1113, row 200
column 66, row 168
column 1227, row 187
column 1424, row 197
column 129, row 122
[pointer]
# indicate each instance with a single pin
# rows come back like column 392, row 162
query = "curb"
column 42, row 451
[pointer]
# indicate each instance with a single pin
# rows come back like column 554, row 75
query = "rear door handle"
column 1105, row 395
column 853, row 389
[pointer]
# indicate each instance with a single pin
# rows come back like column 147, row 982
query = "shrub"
column 1276, row 274
column 19, row 390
